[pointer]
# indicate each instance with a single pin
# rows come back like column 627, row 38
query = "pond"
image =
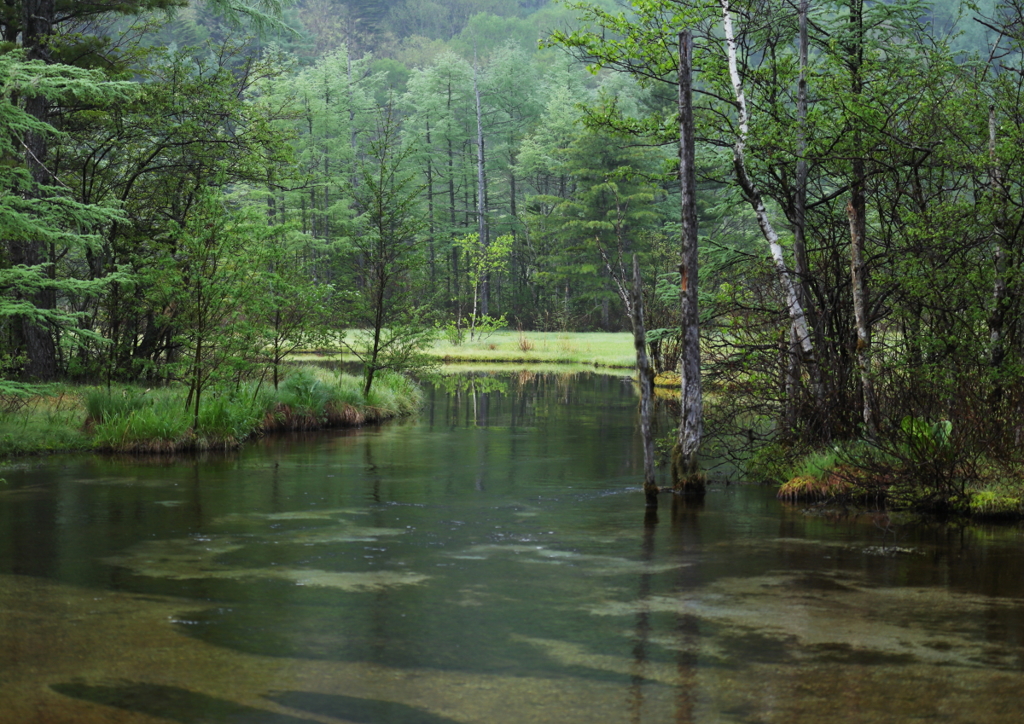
column 488, row 561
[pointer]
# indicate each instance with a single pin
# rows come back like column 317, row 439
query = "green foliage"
column 35, row 216
column 927, row 437
column 212, row 288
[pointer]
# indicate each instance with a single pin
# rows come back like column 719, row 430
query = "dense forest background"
column 194, row 189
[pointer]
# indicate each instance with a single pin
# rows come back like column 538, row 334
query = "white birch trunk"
column 798, row 319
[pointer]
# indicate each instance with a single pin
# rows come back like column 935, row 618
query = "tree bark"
column 856, row 210
column 860, row 311
column 646, row 378
column 40, row 347
column 686, row 475
column 801, row 265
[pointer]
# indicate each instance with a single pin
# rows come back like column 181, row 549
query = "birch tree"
column 798, row 319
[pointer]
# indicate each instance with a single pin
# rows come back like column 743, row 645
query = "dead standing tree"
column 686, row 474
column 633, row 301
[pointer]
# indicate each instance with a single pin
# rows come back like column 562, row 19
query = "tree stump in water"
column 687, row 477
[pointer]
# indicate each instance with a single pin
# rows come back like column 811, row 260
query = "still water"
column 489, row 561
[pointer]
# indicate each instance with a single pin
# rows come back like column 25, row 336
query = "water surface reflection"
column 489, row 562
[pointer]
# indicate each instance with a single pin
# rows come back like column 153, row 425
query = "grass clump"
column 997, row 503
column 132, row 421
column 313, row 397
column 229, row 418
column 392, row 395
column 813, row 479
column 301, row 402
column 826, row 475
column 105, row 404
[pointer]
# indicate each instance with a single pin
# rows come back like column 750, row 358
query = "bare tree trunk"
column 856, row 210
column 646, row 379
column 633, row 301
column 686, row 475
column 1000, row 294
column 860, row 311
column 801, row 264
column 430, row 211
column 798, row 320
column 455, row 291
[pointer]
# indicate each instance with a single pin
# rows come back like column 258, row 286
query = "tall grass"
column 308, row 398
column 312, row 397
column 46, row 418
column 156, row 423
column 392, row 395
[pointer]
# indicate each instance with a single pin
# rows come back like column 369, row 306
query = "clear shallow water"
column 488, row 562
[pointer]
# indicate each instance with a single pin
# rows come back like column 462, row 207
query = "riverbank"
column 943, row 485
column 136, row 420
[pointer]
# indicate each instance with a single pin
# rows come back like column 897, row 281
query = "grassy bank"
column 597, row 349
column 130, row 419
column 589, row 349
column 930, row 479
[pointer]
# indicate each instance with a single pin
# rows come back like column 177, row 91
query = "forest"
column 192, row 191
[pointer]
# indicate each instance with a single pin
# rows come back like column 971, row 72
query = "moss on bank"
column 135, row 420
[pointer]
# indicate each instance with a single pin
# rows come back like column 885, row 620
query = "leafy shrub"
column 997, row 503
column 453, row 332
